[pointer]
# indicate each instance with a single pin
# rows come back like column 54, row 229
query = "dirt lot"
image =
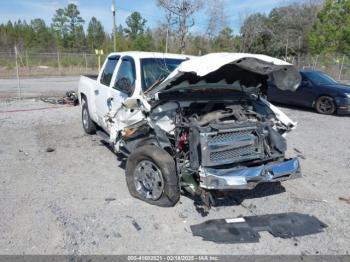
column 74, row 200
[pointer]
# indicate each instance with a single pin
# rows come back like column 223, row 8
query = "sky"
column 101, row 9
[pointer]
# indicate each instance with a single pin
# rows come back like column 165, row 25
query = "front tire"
column 325, row 105
column 151, row 176
column 88, row 125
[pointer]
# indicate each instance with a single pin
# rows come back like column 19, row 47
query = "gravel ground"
column 74, row 200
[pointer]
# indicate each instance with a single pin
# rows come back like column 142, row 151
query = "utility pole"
column 285, row 59
column 114, row 27
column 17, row 73
column 166, row 40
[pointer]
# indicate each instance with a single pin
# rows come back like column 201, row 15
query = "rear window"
column 156, row 69
column 320, row 78
column 108, row 71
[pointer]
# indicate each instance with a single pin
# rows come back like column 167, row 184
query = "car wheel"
column 88, row 125
column 151, row 176
column 325, row 105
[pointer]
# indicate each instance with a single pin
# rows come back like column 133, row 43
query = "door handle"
column 96, row 91
column 109, row 102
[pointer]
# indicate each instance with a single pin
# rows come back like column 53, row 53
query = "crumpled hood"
column 284, row 75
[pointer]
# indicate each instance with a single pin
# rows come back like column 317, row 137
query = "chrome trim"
column 248, row 177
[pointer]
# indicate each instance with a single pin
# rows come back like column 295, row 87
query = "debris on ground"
column 109, row 199
column 71, row 98
column 25, row 153
column 309, row 199
column 346, row 200
column 246, row 229
column 50, row 149
column 299, row 153
column 136, row 225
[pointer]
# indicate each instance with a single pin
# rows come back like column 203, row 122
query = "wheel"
column 151, row 176
column 88, row 125
column 325, row 105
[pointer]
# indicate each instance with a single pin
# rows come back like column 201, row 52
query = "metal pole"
column 114, row 27
column 285, row 59
column 86, row 65
column 316, row 61
column 59, row 63
column 299, row 50
column 17, row 71
column 27, row 60
column 166, row 40
column 341, row 67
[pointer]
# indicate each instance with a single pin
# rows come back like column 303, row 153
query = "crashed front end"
column 226, row 144
column 210, row 115
column 240, row 155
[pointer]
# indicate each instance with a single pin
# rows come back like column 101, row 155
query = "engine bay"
column 216, row 134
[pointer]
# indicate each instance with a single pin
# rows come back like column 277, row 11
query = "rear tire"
column 151, row 176
column 88, row 125
column 325, row 105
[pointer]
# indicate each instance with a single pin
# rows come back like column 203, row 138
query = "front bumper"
column 248, row 177
column 343, row 105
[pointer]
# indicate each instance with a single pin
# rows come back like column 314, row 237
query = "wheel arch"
column 322, row 94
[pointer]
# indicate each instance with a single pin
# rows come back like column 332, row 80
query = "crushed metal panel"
column 283, row 74
column 245, row 230
column 223, row 231
column 287, row 225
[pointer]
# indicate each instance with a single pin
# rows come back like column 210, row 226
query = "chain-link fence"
column 67, row 64
column 47, row 64
column 337, row 66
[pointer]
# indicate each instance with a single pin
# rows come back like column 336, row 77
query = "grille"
column 236, row 145
column 247, row 153
column 228, row 137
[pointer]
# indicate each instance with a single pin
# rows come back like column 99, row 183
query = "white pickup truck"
column 193, row 123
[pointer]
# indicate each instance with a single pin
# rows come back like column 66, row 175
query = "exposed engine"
column 214, row 134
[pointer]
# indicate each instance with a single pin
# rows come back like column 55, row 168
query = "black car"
column 317, row 90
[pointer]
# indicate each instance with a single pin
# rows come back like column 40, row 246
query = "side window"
column 107, row 73
column 305, row 81
column 125, row 80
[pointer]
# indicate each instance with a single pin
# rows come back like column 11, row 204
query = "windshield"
column 319, row 78
column 156, row 69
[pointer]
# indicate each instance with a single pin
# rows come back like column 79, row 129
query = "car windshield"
column 156, row 69
column 319, row 78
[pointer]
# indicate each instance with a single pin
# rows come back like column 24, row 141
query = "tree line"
column 315, row 27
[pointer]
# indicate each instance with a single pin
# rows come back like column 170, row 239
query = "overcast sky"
column 101, row 9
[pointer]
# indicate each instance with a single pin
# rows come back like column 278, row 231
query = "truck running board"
column 103, row 136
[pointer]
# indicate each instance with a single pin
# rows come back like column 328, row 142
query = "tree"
column 224, row 41
column 144, row 42
column 39, row 35
column 73, row 18
column 282, row 32
column 183, row 11
column 217, row 19
column 135, row 25
column 331, row 32
column 67, row 23
column 289, row 27
column 95, row 34
column 59, row 23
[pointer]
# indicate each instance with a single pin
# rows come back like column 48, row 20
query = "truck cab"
column 123, row 75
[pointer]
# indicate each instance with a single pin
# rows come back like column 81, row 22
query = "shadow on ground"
column 235, row 197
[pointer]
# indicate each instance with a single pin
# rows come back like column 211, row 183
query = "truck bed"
column 93, row 77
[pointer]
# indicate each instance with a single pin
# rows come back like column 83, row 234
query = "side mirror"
column 306, row 83
column 124, row 85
